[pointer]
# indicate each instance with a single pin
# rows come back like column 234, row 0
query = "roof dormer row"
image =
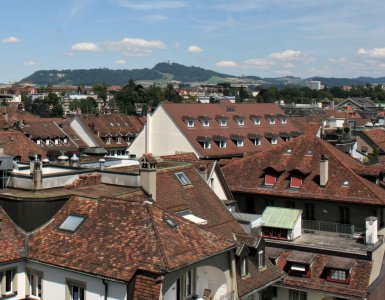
column 205, row 120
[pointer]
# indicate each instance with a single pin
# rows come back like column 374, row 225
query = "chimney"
column 202, row 169
column 371, row 236
column 324, row 170
column 147, row 174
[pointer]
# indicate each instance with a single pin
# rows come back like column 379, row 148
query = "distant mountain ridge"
column 166, row 72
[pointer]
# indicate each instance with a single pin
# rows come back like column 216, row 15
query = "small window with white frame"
column 182, row 178
column 240, row 143
column 261, row 259
column 190, row 123
column 205, row 122
column 34, row 290
column 274, row 141
column 8, row 284
column 297, row 295
column 243, row 266
column 75, row 290
column 283, row 119
column 118, row 139
column 271, row 120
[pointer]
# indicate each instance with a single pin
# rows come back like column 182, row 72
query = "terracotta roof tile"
column 377, row 136
column 247, row 174
column 177, row 111
column 118, row 237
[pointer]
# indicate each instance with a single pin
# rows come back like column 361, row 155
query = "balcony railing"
column 338, row 228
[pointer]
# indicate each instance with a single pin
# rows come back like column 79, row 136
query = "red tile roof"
column 247, row 174
column 197, row 197
column 179, row 111
column 377, row 136
column 357, row 286
column 119, row 237
column 17, row 144
column 12, row 239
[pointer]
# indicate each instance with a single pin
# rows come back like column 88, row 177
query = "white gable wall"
column 161, row 136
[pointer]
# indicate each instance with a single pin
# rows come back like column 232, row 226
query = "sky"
column 267, row 38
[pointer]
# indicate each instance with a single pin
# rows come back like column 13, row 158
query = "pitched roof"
column 377, row 136
column 17, row 144
column 247, row 174
column 215, row 111
column 357, row 286
column 12, row 239
column 119, row 237
column 196, row 197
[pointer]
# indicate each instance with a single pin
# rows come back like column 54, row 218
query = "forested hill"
column 159, row 72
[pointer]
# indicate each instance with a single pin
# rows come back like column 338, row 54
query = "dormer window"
column 256, row 119
column 283, row 119
column 190, row 121
column 271, row 119
column 118, row 139
column 337, row 269
column 338, row 275
column 270, row 179
column 295, row 181
column 56, row 141
column 240, row 120
column 204, row 141
column 205, row 121
column 298, row 263
column 238, row 140
column 243, row 266
column 256, row 139
column 273, row 138
column 221, row 141
column 108, row 140
column 222, row 120
column 38, row 142
column 47, row 142
column 261, row 259
column 65, row 140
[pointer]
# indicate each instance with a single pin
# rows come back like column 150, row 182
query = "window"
column 339, row 275
column 47, row 142
column 38, row 142
column 34, row 282
column 190, row 123
column 261, row 259
column 309, row 211
column 170, row 222
column 240, row 122
column 188, row 283
column 205, row 122
column 243, row 266
column 274, row 141
column 256, row 141
column 183, row 178
column 65, row 140
column 221, row 144
column 108, row 140
column 206, row 145
column 239, row 143
column 257, row 121
column 290, row 204
column 118, row 139
column 72, row 223
column 295, row 181
column 297, row 295
column 223, row 122
column 8, row 282
column 75, row 290
column 56, row 141
column 344, row 215
column 283, row 120
column 270, row 179
column 271, row 120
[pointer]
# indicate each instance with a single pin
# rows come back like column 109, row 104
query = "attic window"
column 335, row 275
column 309, row 153
column 295, row 181
column 346, row 183
column 289, row 151
column 170, row 222
column 112, row 124
column 72, row 223
column 270, row 179
column 183, row 178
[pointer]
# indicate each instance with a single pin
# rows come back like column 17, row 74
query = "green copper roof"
column 279, row 217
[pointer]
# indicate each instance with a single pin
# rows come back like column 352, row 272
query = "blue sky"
column 268, row 38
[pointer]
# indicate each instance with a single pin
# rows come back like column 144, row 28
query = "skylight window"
column 112, row 124
column 72, row 223
column 183, row 178
column 346, row 183
column 170, row 222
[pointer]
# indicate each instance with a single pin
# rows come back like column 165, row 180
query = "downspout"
column 105, row 289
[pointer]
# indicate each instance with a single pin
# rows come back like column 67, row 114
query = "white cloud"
column 226, row 63
column 89, row 47
column 260, row 63
column 120, row 61
column 31, row 63
column 10, row 40
column 126, row 46
column 287, row 55
column 373, row 53
column 153, row 5
column 194, row 49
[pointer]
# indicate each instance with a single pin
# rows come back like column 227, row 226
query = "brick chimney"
column 147, row 174
column 324, row 170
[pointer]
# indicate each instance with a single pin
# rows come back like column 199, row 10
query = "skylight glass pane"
column 72, row 223
column 182, row 178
